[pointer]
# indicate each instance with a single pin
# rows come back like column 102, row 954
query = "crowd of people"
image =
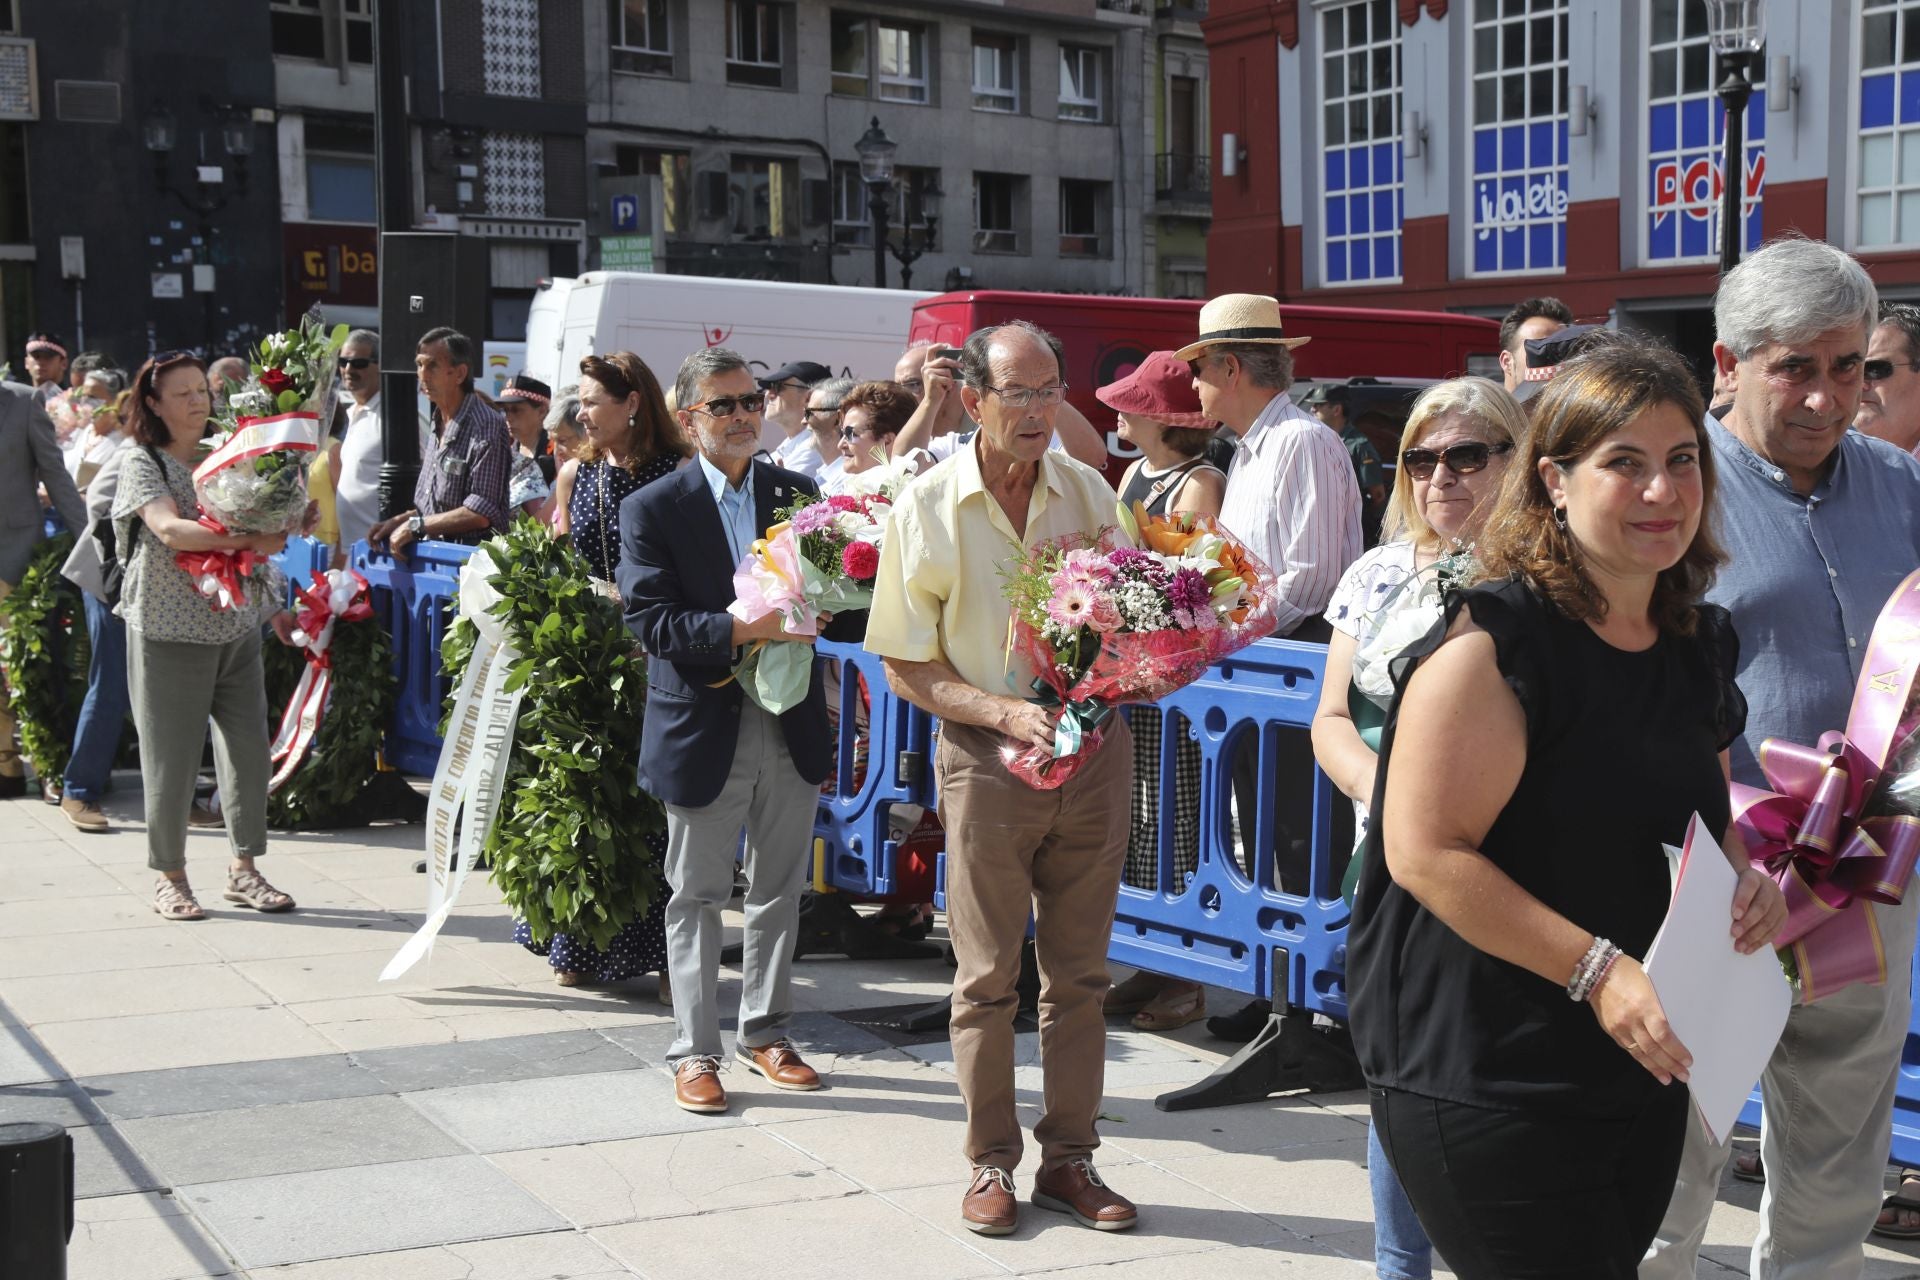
column 1560, row 616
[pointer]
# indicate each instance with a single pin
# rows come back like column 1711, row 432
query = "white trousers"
column 1829, row 1122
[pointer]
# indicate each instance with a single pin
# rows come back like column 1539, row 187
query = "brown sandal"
column 250, row 889
column 1181, row 1003
column 174, row 900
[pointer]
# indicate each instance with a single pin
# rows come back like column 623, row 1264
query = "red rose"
column 275, row 380
column 861, row 560
column 843, row 502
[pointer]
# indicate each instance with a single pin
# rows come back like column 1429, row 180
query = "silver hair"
column 974, row 370
column 565, row 407
column 698, row 367
column 1267, row 364
column 364, row 338
column 1792, row 291
column 834, row 389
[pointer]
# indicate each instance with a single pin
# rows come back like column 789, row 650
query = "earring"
column 633, row 420
column 1560, row 519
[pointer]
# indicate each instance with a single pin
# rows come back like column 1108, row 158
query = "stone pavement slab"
column 552, row 1256
column 863, row 1238
column 446, row 1066
column 672, row 1175
column 141, row 1237
column 333, row 1213
column 255, row 1142
column 105, row 1165
column 110, row 1046
column 103, row 951
column 232, row 1084
column 524, row 1114
column 63, row 997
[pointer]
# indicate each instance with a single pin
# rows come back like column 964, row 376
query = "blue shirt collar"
column 717, row 480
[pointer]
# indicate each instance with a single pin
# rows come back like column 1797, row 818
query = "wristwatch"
column 417, row 526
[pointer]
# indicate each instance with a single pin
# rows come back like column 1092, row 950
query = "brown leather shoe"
column 780, row 1063
column 989, row 1207
column 84, row 814
column 1076, row 1189
column 696, row 1086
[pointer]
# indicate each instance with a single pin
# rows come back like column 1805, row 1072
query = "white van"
column 858, row 333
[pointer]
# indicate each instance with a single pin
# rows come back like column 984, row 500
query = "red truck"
column 1105, row 337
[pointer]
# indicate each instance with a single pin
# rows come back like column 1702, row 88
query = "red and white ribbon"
column 338, row 595
column 297, row 432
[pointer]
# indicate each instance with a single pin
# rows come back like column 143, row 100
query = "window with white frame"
column 1086, row 210
column 1686, row 140
column 848, row 48
column 996, row 72
column 1361, row 166
column 1081, row 83
column 642, row 36
column 1886, row 202
column 340, row 173
column 997, row 200
column 852, row 220
column 1517, row 187
column 900, row 52
column 916, row 191
column 754, row 43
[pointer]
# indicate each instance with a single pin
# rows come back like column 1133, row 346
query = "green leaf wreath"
column 40, row 637
column 328, row 789
column 568, row 848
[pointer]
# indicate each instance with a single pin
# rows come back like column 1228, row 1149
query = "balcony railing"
column 1181, row 177
column 1181, row 10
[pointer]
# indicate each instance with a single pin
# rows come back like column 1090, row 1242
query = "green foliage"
column 568, row 848
column 325, row 792
column 37, row 621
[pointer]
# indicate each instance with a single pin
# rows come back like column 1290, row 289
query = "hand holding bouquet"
column 820, row 559
column 255, row 480
column 1105, row 623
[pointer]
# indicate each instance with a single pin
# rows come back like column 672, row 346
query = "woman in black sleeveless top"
column 1160, row 415
column 1538, row 1134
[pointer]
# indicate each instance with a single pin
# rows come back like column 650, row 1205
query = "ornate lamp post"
column 1737, row 30
column 876, row 169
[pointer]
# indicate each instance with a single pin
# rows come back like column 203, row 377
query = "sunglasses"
column 725, row 406
column 355, row 362
column 1461, row 459
column 818, row 413
column 854, row 433
column 1880, row 370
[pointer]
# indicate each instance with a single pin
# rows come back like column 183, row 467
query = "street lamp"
column 1737, row 30
column 876, row 169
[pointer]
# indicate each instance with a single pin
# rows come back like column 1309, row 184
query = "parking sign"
column 626, row 213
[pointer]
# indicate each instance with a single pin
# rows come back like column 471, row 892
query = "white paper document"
column 1726, row 1008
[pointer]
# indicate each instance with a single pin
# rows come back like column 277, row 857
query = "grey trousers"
column 1829, row 1122
column 766, row 795
column 174, row 688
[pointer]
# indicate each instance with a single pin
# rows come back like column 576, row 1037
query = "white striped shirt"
column 1292, row 498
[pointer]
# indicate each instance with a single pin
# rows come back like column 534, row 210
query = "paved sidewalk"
column 248, row 1100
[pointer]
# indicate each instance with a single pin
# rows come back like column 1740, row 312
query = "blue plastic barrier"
column 302, row 558
column 858, row 854
column 410, row 595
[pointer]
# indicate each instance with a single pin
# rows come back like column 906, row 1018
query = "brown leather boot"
column 696, row 1086
column 1076, row 1189
column 989, row 1207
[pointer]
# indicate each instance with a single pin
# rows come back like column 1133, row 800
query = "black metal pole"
column 877, row 206
column 399, row 430
column 1734, row 91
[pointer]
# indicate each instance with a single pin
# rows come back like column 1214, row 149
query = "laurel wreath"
column 43, row 648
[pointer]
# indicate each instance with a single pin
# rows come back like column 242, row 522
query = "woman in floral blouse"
column 186, row 660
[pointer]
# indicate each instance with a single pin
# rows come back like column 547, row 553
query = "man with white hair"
column 1818, row 525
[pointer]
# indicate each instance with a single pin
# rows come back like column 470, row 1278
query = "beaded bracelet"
column 1606, row 967
column 1586, row 974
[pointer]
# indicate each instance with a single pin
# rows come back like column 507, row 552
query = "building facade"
column 1417, row 153
column 722, row 139
column 1181, row 205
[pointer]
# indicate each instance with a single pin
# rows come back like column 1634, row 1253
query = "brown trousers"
column 1058, row 854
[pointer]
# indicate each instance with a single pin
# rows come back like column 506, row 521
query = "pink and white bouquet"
column 1109, row 620
column 819, row 560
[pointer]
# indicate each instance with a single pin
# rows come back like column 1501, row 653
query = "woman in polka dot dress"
column 631, row 440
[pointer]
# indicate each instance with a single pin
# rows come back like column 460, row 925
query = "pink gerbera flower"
column 1071, row 604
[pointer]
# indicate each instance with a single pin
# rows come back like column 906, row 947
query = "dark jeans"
column 103, row 716
column 1518, row 1195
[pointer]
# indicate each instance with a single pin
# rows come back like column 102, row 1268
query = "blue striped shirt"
column 1807, row 577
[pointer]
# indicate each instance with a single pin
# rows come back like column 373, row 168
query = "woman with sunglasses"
column 1454, row 449
column 631, row 440
column 187, row 660
column 1566, row 716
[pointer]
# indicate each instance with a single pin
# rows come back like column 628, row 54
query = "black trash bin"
column 36, row 1201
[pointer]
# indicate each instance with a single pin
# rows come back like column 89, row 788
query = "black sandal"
column 1757, row 1174
column 1893, row 1230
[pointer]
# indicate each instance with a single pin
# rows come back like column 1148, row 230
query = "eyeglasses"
column 854, row 433
column 1021, row 397
column 725, row 406
column 355, row 362
column 1881, row 370
column 821, row 413
column 775, row 388
column 1461, row 459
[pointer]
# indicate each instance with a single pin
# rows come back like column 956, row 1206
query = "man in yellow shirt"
column 940, row 619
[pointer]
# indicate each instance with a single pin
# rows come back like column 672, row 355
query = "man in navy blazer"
column 716, row 759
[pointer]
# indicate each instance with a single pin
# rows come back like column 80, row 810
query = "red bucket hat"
column 1161, row 388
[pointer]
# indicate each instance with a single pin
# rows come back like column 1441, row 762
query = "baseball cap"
column 805, row 371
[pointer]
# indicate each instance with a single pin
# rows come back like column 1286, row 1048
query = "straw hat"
column 1239, row 317
column 1161, row 388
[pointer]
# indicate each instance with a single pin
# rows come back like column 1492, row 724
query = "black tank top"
column 1157, row 491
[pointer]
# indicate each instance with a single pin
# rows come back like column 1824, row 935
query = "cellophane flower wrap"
column 1129, row 615
column 820, row 559
column 255, row 479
